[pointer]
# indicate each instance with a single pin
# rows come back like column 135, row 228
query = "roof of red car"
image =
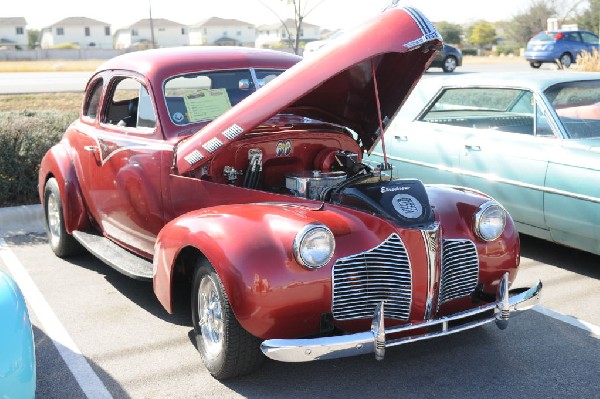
column 195, row 58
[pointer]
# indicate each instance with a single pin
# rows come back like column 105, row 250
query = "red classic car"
column 240, row 177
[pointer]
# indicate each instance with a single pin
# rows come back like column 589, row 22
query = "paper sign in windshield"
column 206, row 104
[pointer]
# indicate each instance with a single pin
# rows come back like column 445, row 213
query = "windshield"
column 577, row 105
column 204, row 96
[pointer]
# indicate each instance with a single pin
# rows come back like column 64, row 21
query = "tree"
column 450, row 32
column 33, row 38
column 302, row 8
column 523, row 26
column 589, row 18
column 482, row 33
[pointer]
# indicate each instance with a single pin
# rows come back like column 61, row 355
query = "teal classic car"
column 530, row 140
column 17, row 350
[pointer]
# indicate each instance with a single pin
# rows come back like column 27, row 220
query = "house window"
column 239, row 33
column 20, row 30
column 87, row 31
column 301, row 32
column 224, row 33
column 183, row 31
column 60, row 31
column 134, row 32
column 283, row 35
column 206, row 31
column 107, row 30
column 161, row 29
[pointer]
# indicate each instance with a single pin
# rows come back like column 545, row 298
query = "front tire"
column 62, row 243
column 226, row 349
column 565, row 61
column 450, row 63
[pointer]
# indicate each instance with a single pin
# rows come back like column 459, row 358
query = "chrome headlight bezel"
column 487, row 212
column 308, row 232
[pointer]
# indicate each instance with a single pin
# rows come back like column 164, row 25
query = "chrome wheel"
column 211, row 317
column 53, row 219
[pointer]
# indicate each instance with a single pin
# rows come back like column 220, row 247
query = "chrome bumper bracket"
column 374, row 341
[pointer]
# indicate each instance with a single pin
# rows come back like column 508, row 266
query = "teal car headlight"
column 490, row 221
column 314, row 246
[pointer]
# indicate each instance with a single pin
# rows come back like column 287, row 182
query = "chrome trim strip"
column 497, row 179
column 303, row 350
column 431, row 237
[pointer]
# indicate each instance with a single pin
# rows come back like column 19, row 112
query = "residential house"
column 277, row 34
column 139, row 35
column 13, row 33
column 80, row 31
column 222, row 32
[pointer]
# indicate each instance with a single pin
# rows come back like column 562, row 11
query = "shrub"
column 24, row 139
column 589, row 62
column 507, row 50
column 470, row 51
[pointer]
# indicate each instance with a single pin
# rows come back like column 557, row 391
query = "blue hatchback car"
column 560, row 47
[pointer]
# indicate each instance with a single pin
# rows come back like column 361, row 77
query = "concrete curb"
column 21, row 219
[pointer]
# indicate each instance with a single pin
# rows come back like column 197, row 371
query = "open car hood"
column 335, row 86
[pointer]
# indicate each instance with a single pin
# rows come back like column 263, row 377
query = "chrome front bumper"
column 374, row 341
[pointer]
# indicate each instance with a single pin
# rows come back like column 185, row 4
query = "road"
column 134, row 349
column 40, row 82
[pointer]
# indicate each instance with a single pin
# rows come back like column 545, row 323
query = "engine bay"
column 321, row 166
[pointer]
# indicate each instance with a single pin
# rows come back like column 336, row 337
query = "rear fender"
column 58, row 163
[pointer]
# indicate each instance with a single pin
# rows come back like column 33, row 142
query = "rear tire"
column 535, row 65
column 62, row 243
column 226, row 349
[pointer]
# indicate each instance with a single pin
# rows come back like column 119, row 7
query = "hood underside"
column 378, row 63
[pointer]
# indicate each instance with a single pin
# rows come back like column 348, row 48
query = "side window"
column 507, row 110
column 92, row 102
column 572, row 37
column 589, row 38
column 130, row 105
column 542, row 127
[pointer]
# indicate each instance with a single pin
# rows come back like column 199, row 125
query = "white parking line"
column 89, row 382
column 575, row 322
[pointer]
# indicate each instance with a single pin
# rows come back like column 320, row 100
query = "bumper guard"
column 374, row 341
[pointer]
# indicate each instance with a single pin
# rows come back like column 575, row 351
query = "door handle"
column 91, row 148
column 401, row 138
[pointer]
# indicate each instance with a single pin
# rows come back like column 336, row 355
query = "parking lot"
column 101, row 334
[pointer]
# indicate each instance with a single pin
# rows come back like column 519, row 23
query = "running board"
column 115, row 256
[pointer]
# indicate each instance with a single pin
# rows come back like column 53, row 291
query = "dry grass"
column 50, row 65
column 589, row 62
column 66, row 102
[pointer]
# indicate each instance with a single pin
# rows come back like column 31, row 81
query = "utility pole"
column 151, row 25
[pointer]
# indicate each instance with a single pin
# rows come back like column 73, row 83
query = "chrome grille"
column 363, row 280
column 460, row 269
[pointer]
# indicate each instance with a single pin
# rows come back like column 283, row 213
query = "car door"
column 421, row 149
column 125, row 164
column 590, row 41
column 503, row 151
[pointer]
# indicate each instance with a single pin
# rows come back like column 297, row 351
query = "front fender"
column 250, row 248
column 17, row 351
column 57, row 163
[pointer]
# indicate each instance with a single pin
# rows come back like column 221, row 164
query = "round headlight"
column 314, row 245
column 490, row 221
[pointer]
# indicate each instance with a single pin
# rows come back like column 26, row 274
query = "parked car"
column 17, row 349
column 219, row 176
column 312, row 47
column 448, row 58
column 560, row 47
column 531, row 141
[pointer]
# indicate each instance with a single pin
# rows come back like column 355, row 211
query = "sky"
column 330, row 14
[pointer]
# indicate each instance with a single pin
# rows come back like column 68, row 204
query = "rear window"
column 544, row 36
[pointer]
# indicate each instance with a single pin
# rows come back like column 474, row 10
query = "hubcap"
column 53, row 217
column 450, row 64
column 211, row 317
column 565, row 60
